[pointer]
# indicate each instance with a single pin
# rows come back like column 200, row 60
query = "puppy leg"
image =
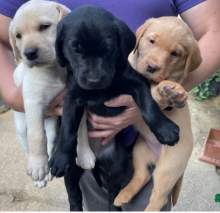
column 169, row 169
column 85, row 156
column 37, row 141
column 166, row 131
column 142, row 157
column 176, row 190
column 72, row 187
column 50, row 124
column 21, row 130
column 117, row 172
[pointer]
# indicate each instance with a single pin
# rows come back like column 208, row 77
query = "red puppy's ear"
column 193, row 60
column 140, row 32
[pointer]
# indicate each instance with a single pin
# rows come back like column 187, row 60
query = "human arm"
column 204, row 21
column 8, row 90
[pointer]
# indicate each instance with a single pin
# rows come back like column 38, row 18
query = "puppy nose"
column 31, row 53
column 152, row 67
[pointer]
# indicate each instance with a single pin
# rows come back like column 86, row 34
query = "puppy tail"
column 176, row 190
column 97, row 176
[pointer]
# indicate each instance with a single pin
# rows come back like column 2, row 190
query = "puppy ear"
column 63, row 10
column 13, row 42
column 140, row 32
column 132, row 59
column 59, row 45
column 127, row 41
column 193, row 60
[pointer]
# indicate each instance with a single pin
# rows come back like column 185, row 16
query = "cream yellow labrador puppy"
column 32, row 36
column 165, row 53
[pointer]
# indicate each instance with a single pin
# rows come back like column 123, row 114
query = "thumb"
column 122, row 100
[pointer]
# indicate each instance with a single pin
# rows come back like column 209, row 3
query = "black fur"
column 94, row 46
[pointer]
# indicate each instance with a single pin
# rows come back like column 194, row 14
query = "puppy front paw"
column 172, row 93
column 60, row 164
column 43, row 183
column 40, row 184
column 85, row 158
column 37, row 167
column 167, row 132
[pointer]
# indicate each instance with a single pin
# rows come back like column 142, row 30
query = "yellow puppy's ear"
column 13, row 42
column 194, row 59
column 63, row 10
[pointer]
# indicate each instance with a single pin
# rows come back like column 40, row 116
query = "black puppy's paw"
column 60, row 164
column 167, row 132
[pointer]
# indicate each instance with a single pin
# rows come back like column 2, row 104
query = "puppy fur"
column 95, row 48
column 165, row 53
column 32, row 36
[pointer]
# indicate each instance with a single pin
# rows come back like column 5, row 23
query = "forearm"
column 8, row 90
column 204, row 21
column 209, row 46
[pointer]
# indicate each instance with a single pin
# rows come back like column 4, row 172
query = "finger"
column 122, row 100
column 96, row 125
column 101, row 134
column 59, row 98
column 106, row 140
column 54, row 111
column 58, row 110
column 105, row 120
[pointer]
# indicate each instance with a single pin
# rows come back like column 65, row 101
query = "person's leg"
column 94, row 197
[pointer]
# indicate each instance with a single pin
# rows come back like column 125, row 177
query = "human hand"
column 107, row 128
column 55, row 106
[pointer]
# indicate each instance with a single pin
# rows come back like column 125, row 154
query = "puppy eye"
column 44, row 27
column 18, row 36
column 175, row 54
column 78, row 49
column 152, row 41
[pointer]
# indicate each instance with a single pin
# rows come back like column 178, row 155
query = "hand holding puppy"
column 109, row 127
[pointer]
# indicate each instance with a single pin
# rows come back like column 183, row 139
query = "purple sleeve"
column 183, row 5
column 9, row 7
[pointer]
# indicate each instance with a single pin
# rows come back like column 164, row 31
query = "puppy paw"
column 85, row 158
column 49, row 177
column 172, row 93
column 43, row 183
column 167, row 132
column 60, row 164
column 37, row 167
column 40, row 184
column 123, row 197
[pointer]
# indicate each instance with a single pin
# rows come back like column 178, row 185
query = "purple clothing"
column 133, row 12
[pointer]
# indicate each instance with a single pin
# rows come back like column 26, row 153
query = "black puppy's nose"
column 152, row 67
column 31, row 53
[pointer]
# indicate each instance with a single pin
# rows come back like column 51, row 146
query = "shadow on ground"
column 17, row 192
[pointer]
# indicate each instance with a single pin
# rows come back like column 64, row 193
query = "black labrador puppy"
column 94, row 46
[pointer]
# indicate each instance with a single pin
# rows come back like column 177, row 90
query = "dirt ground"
column 17, row 192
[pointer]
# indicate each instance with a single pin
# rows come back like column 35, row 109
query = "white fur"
column 36, row 132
